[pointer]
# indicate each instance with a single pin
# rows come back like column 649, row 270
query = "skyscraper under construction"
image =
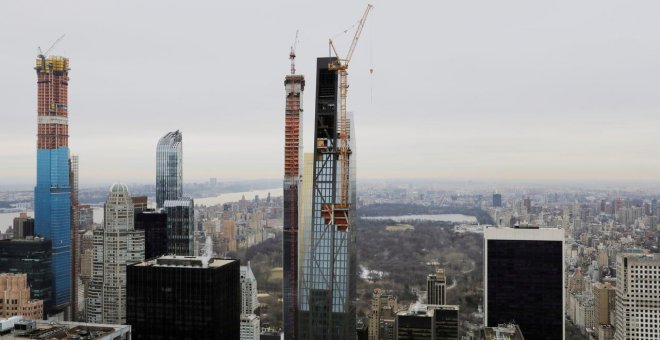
column 328, row 270
column 52, row 194
column 294, row 85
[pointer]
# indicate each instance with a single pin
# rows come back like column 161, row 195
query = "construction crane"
column 338, row 213
column 292, row 54
column 43, row 55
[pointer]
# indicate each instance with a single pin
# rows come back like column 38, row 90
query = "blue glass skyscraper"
column 52, row 194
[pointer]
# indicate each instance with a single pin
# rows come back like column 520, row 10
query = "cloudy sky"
column 494, row 90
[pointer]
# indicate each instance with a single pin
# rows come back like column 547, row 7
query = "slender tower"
column 52, row 194
column 328, row 280
column 294, row 85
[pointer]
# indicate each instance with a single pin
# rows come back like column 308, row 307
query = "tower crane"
column 338, row 213
column 43, row 55
column 292, row 54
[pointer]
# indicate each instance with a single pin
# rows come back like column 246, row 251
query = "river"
column 7, row 219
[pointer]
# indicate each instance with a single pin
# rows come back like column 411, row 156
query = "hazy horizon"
column 494, row 91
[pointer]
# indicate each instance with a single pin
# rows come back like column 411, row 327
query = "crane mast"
column 338, row 213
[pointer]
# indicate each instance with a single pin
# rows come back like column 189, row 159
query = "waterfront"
column 6, row 219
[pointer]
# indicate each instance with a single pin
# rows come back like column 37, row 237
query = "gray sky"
column 461, row 89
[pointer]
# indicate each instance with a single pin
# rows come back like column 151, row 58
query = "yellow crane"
column 338, row 213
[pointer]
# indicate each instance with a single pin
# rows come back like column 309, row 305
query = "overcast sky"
column 530, row 90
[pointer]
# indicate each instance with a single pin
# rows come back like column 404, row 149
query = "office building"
column 162, row 305
column 31, row 256
column 497, row 200
column 52, row 194
column 637, row 296
column 294, row 86
column 327, row 282
column 249, row 302
column 382, row 316
column 436, row 285
column 415, row 324
column 116, row 246
column 169, row 168
column 154, row 225
column 15, row 298
column 524, row 280
column 23, row 226
column 180, row 226
column 445, row 321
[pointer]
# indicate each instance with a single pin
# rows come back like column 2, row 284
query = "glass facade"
column 525, row 284
column 34, row 258
column 180, row 226
column 169, row 168
column 52, row 216
column 184, row 299
column 328, row 272
column 154, row 225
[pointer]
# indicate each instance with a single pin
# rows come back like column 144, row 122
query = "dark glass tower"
column 169, row 168
column 52, row 194
column 524, row 280
column 33, row 257
column 154, row 225
column 184, row 298
column 328, row 270
column 180, row 226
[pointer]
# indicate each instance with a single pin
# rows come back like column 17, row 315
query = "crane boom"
column 338, row 213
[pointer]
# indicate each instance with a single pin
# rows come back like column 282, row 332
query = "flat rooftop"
column 61, row 330
column 185, row 262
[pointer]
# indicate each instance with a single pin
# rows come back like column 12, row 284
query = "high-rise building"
column 31, row 256
column 327, row 282
column 85, row 216
column 249, row 302
column 604, row 303
column 524, row 280
column 527, row 202
column 436, row 285
column 169, row 168
column 116, row 246
column 294, row 86
column 154, row 225
column 173, row 297
column 250, row 327
column 180, row 226
column 382, row 316
column 52, row 194
column 637, row 296
column 16, row 300
column 445, row 321
column 415, row 324
column 23, row 226
column 497, row 200
column 74, row 312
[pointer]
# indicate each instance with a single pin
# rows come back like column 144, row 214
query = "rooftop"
column 185, row 262
column 44, row 329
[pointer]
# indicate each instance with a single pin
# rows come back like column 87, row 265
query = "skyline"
column 514, row 91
